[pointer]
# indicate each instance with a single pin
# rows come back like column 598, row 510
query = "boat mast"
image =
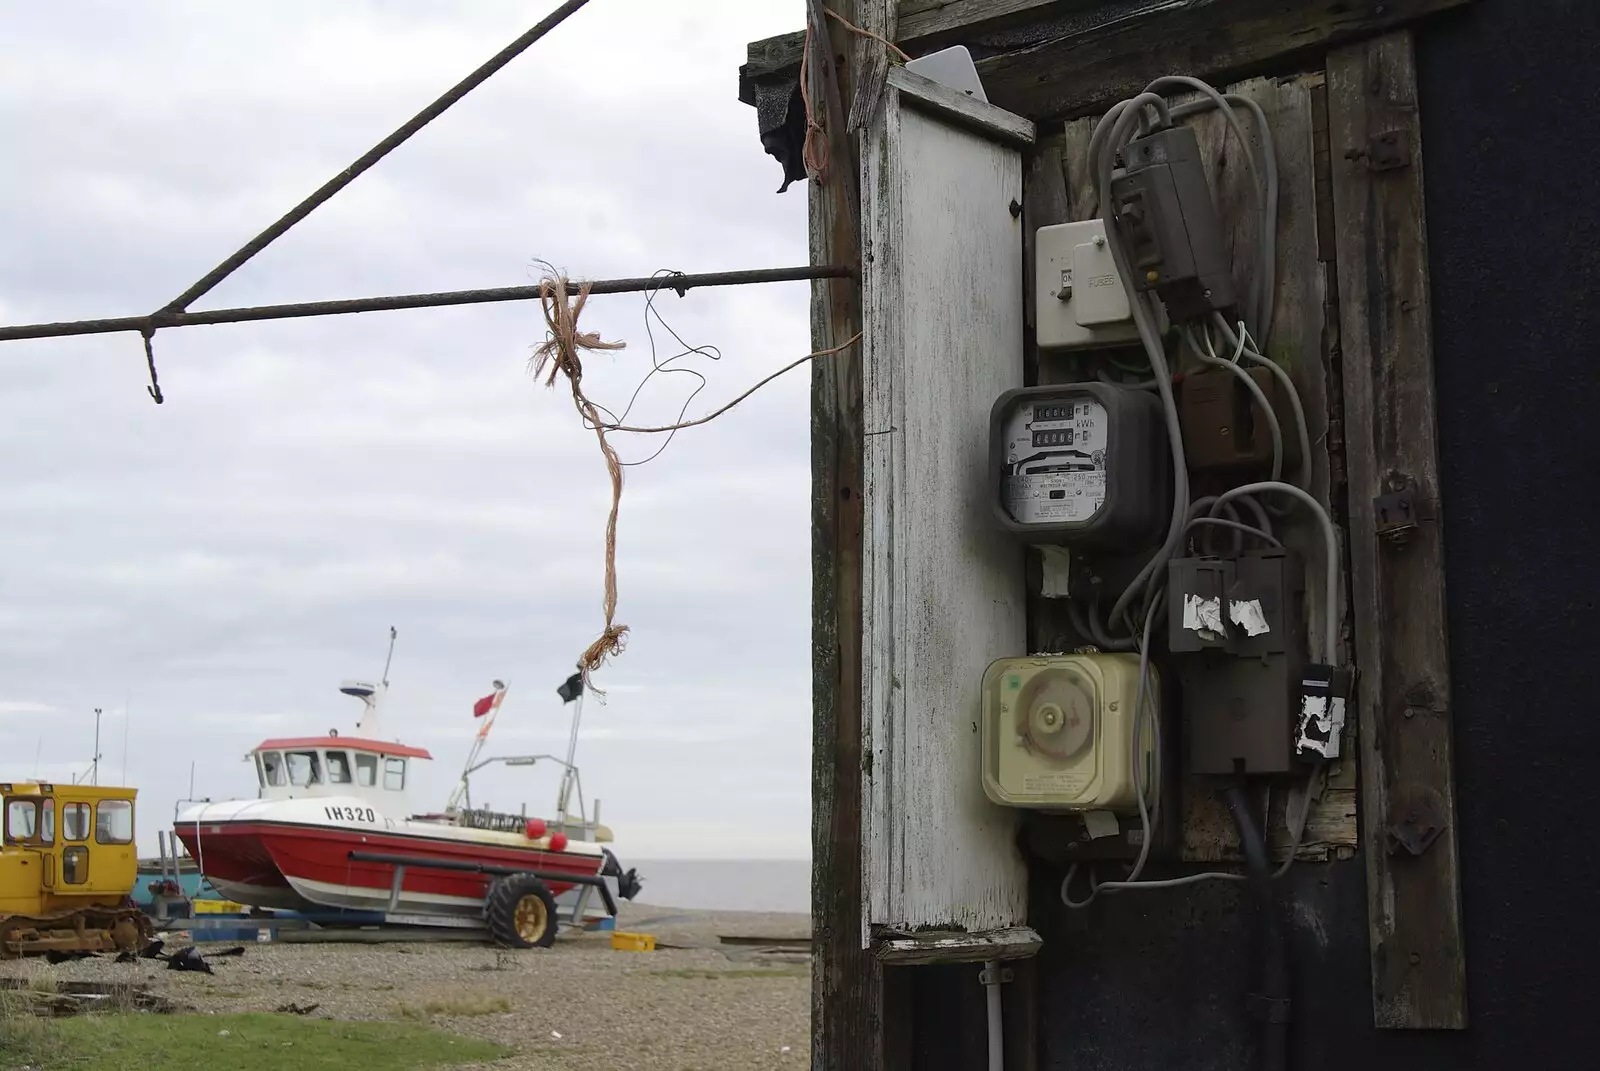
column 369, row 695
column 462, row 793
column 569, row 773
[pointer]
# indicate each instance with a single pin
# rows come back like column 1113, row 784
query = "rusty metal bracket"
column 995, row 977
column 1386, row 151
column 1395, row 514
column 1420, row 820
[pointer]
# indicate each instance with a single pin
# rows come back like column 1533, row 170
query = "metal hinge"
column 1394, row 515
column 1421, row 821
column 1388, row 151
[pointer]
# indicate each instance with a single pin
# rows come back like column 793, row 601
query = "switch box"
column 1169, row 225
column 1223, row 426
column 1080, row 300
column 1236, row 628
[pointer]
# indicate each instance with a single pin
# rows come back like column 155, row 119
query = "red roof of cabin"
column 352, row 742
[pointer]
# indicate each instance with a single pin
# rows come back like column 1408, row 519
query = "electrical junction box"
column 1236, row 629
column 1223, row 426
column 1169, row 225
column 1081, row 464
column 1080, row 300
column 1058, row 732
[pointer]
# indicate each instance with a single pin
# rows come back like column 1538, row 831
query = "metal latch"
column 1388, row 151
column 1421, row 821
column 1395, row 514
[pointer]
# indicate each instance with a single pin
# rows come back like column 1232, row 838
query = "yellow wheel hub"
column 531, row 918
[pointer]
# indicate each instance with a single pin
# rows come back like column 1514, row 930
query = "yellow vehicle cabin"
column 68, row 864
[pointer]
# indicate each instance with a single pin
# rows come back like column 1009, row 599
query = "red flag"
column 483, row 706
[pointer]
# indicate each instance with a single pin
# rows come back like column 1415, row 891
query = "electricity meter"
column 1082, row 464
column 1058, row 732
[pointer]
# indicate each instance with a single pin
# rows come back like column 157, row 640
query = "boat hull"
column 291, row 855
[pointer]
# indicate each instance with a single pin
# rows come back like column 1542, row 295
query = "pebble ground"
column 694, row 1006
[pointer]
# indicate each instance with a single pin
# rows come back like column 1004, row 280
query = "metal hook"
column 154, row 389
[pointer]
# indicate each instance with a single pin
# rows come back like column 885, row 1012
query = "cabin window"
column 29, row 819
column 394, row 774
column 304, row 768
column 113, row 822
column 74, row 821
column 338, row 768
column 75, row 864
column 271, row 769
column 366, row 770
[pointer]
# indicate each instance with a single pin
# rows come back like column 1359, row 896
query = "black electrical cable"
column 1269, row 1003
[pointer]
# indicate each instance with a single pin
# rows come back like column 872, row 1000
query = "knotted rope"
column 559, row 353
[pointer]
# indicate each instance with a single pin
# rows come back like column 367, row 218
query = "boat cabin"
column 376, row 771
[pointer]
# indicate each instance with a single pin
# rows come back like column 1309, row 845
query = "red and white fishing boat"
column 332, row 829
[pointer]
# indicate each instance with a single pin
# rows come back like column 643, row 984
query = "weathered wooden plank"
column 924, row 19
column 942, row 285
column 1091, row 56
column 958, row 109
column 846, row 989
column 935, row 946
column 1084, row 71
column 1414, row 901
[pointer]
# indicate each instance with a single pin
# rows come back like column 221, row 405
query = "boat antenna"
column 393, row 634
column 94, row 767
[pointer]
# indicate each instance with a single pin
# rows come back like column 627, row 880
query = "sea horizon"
column 726, row 884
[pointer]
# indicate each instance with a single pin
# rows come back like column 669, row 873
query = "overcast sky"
column 208, row 570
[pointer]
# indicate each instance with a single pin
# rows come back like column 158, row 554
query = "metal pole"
column 572, row 752
column 94, row 767
column 300, row 211
column 388, row 661
column 678, row 282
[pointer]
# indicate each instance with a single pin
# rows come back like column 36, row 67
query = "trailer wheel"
column 520, row 912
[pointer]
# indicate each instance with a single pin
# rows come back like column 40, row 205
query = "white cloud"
column 222, row 561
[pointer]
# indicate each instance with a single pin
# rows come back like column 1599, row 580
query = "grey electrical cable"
column 1267, row 269
column 1267, row 537
column 1254, row 355
column 1330, row 637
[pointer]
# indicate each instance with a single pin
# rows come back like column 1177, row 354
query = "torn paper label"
column 1101, row 824
column 1248, row 615
column 1321, row 725
column 1202, row 615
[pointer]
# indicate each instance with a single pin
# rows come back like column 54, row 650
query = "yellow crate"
column 633, row 942
column 217, row 907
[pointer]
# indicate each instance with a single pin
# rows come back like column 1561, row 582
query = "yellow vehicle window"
column 75, row 865
column 74, row 821
column 30, row 819
column 113, row 822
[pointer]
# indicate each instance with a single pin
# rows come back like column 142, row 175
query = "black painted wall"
column 1512, row 164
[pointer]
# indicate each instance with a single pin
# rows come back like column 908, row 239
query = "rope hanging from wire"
column 559, row 353
column 815, row 150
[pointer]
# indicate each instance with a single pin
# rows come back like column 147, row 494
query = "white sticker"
column 1057, row 563
column 1326, row 713
column 1101, row 824
column 1202, row 615
column 1247, row 614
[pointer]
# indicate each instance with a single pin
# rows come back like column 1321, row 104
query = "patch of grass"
column 25, row 1039
column 465, row 1007
column 741, row 972
column 256, row 1042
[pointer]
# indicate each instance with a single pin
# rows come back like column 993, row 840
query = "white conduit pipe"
column 991, row 980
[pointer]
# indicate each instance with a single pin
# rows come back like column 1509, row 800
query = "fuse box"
column 1236, row 629
column 1079, row 299
column 1223, row 425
